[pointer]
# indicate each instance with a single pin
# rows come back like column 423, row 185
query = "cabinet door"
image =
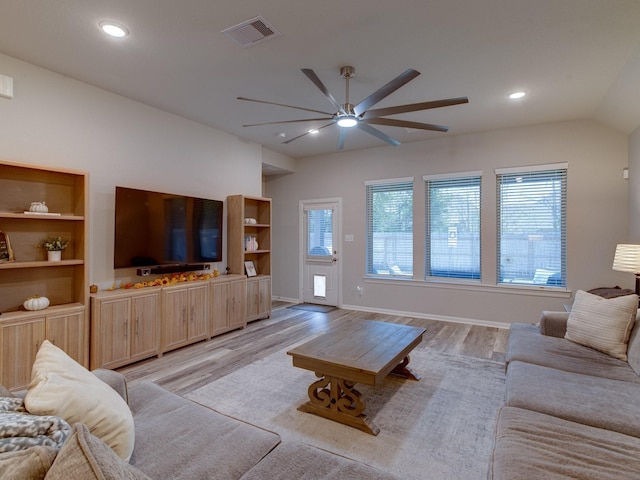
column 253, row 299
column 145, row 332
column 237, row 313
column 19, row 344
column 219, row 308
column 198, row 312
column 111, row 334
column 67, row 333
column 264, row 297
column 176, row 316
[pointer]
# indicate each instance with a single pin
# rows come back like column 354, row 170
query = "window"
column 532, row 207
column 390, row 228
column 318, row 240
column 452, row 240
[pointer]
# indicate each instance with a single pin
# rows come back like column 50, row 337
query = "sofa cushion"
column 532, row 446
column 297, row 461
column 30, row 464
column 596, row 401
column 633, row 348
column 177, row 438
column 86, row 457
column 62, row 387
column 527, row 344
column 602, row 323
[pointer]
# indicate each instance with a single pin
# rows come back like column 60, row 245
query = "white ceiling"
column 577, row 59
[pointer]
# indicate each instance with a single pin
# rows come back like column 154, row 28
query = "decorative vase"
column 54, row 255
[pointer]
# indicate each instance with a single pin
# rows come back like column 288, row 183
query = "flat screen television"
column 154, row 229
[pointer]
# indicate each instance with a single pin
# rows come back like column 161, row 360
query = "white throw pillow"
column 601, row 323
column 61, row 386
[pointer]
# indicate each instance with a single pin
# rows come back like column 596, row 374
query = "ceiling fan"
column 349, row 115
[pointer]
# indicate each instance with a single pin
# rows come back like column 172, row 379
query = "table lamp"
column 627, row 259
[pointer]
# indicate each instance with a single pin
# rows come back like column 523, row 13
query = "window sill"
column 471, row 285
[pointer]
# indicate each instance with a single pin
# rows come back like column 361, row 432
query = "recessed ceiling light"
column 114, row 29
column 313, row 131
column 516, row 95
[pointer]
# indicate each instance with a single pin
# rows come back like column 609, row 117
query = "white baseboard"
column 427, row 316
column 441, row 318
column 286, row 299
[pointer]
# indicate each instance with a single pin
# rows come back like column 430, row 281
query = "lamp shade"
column 627, row 258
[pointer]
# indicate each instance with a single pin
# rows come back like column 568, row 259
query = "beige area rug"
column 438, row 428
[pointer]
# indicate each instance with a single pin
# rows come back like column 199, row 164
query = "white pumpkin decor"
column 36, row 303
column 39, row 207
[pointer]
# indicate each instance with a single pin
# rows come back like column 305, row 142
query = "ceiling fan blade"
column 341, row 138
column 414, row 107
column 288, row 121
column 392, row 122
column 377, row 133
column 402, row 79
column 307, row 133
column 284, row 105
column 311, row 75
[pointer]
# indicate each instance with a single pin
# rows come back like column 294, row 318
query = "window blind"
column 390, row 228
column 532, row 229
column 452, row 238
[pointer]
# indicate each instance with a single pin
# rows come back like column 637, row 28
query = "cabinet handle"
column 137, row 325
column 126, row 329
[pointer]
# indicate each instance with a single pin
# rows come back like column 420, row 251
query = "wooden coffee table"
column 354, row 352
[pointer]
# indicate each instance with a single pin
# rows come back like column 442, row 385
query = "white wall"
column 634, row 187
column 597, row 216
column 59, row 122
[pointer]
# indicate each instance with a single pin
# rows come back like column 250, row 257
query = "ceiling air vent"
column 251, row 32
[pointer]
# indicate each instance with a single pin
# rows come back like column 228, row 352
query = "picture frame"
column 6, row 252
column 250, row 268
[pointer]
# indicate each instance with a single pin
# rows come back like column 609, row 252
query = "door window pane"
column 319, row 235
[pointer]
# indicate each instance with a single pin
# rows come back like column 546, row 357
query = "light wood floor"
column 184, row 370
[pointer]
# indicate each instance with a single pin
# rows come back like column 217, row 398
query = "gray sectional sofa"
column 570, row 411
column 176, row 438
column 179, row 439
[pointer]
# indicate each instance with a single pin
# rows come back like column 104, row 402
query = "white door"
column 319, row 238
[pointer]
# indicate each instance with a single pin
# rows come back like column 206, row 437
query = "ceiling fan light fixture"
column 347, row 121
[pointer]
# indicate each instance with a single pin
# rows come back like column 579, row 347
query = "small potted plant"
column 54, row 247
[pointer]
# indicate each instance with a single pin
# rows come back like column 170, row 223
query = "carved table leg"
column 403, row 370
column 338, row 400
